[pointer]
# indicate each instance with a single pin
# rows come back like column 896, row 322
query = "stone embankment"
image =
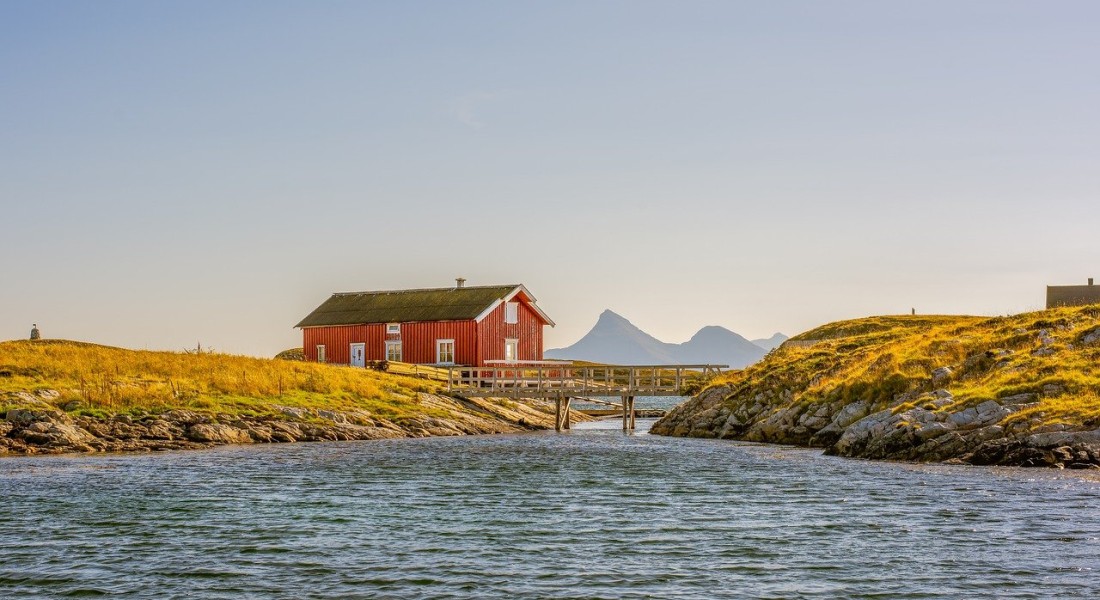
column 918, row 426
column 43, row 428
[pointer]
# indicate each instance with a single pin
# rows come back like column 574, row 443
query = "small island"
column 1020, row 390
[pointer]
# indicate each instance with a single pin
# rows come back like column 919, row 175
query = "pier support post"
column 626, row 407
column 562, row 419
column 628, row 413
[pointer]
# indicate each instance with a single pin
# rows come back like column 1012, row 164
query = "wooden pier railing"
column 558, row 380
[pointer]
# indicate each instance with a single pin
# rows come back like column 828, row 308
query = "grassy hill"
column 920, row 378
column 95, row 379
column 60, row 396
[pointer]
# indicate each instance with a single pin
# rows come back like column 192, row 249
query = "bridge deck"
column 564, row 380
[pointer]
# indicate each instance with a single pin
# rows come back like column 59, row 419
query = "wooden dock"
column 563, row 381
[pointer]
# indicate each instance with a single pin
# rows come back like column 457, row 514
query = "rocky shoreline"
column 1019, row 390
column 42, row 428
column 918, row 426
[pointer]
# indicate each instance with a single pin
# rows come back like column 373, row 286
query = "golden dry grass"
column 103, row 378
column 877, row 358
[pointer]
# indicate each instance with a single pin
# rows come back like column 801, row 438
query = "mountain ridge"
column 771, row 343
column 615, row 340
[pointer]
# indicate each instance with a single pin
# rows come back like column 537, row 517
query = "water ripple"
column 591, row 514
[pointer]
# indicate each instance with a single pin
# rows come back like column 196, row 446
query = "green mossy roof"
column 404, row 306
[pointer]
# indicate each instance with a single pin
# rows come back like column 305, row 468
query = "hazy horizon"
column 173, row 174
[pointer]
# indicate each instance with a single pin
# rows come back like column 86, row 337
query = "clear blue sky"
column 173, row 173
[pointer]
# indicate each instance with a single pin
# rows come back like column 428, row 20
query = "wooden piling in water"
column 562, row 419
column 628, row 413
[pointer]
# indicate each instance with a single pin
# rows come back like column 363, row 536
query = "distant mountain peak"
column 610, row 320
column 615, row 340
column 772, row 342
column 611, row 316
column 711, row 331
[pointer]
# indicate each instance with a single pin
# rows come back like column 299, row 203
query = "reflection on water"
column 589, row 513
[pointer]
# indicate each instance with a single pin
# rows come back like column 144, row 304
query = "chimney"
column 1090, row 280
column 461, row 282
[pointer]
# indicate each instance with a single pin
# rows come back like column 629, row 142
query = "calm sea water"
column 588, row 514
column 641, row 402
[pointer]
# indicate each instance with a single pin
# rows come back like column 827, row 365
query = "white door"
column 358, row 355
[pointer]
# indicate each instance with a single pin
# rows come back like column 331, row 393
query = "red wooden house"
column 445, row 326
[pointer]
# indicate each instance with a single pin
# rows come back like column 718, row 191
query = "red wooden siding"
column 338, row 339
column 417, row 341
column 492, row 331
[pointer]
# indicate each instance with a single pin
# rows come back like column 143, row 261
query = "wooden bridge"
column 562, row 382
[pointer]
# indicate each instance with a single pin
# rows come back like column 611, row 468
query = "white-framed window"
column 393, row 328
column 445, row 352
column 320, row 353
column 393, row 351
column 511, row 312
column 511, row 349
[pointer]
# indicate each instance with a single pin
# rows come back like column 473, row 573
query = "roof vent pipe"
column 461, row 282
column 1090, row 280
